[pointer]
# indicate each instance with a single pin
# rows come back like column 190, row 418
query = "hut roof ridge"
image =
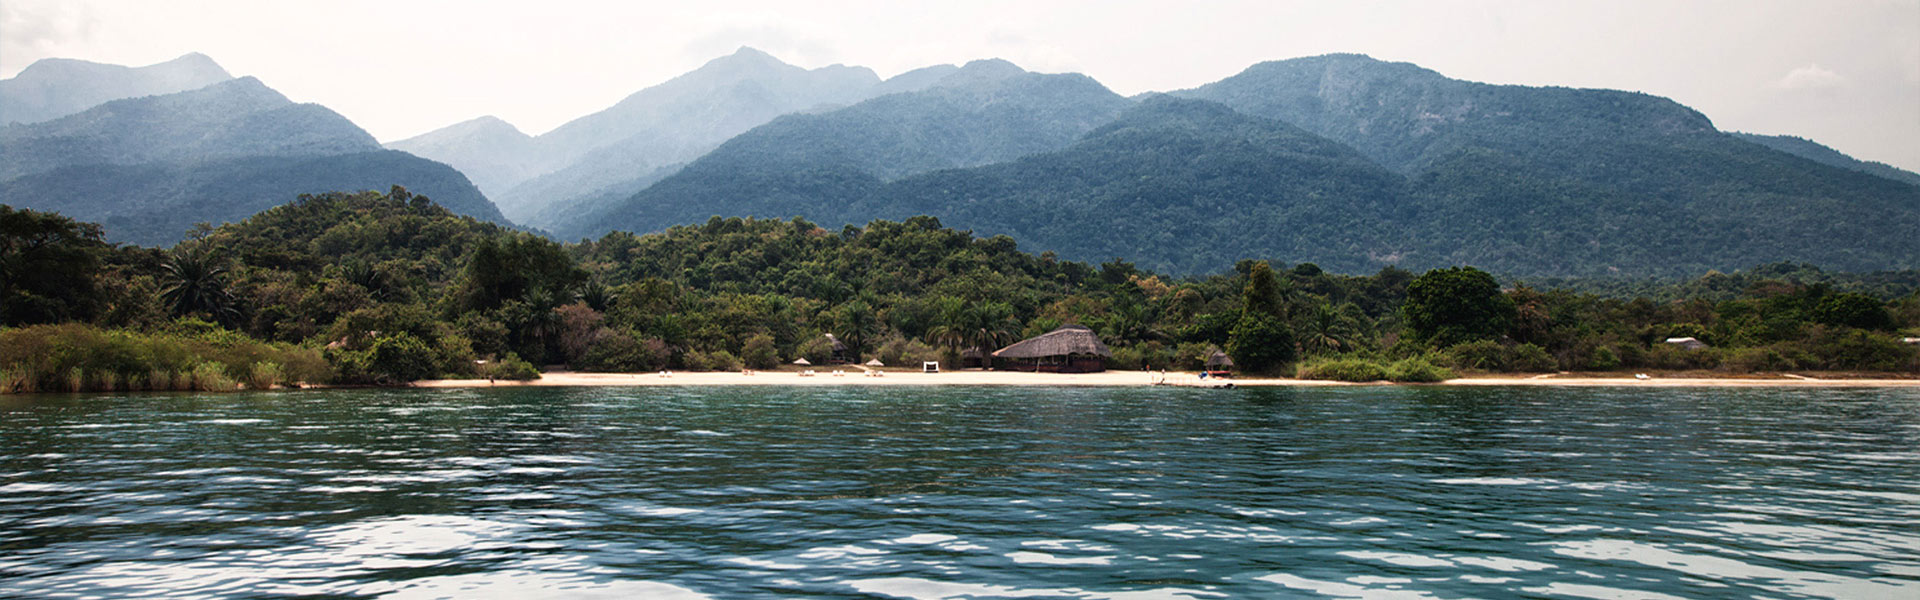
column 1068, row 339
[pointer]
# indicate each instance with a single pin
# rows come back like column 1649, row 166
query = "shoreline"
column 1121, row 379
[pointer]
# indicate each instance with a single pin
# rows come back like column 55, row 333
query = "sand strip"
column 1106, row 379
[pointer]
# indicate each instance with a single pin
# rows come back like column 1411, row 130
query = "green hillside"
column 155, row 204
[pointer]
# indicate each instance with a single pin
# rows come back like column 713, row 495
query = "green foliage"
column 264, row 375
column 1445, row 307
column 48, row 268
column 1261, row 344
column 622, row 351
column 400, row 358
column 1528, row 358
column 79, row 356
column 196, row 284
column 1417, row 370
column 759, row 353
column 1343, row 369
column 510, row 368
column 1857, row 350
column 816, row 349
column 1853, row 310
column 1750, row 360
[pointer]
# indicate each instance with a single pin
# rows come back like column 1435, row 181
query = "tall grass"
column 1360, row 370
column 75, row 357
column 212, row 377
column 159, row 379
column 12, row 379
column 264, row 375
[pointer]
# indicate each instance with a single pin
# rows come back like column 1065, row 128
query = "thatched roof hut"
column 1687, row 343
column 1071, row 348
column 839, row 354
column 1219, row 361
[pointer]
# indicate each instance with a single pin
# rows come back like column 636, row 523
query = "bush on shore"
column 77, row 357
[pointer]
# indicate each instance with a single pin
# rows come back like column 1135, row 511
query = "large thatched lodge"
column 1069, row 349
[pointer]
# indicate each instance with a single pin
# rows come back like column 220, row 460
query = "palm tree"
column 196, row 284
column 951, row 319
column 857, row 325
column 1131, row 322
column 990, row 325
column 1327, row 329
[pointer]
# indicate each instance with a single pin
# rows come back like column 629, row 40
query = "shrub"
column 400, row 358
column 264, row 375
column 159, row 380
column 1483, row 355
column 1530, row 358
column 695, row 360
column 1668, row 356
column 1604, row 359
column 1417, row 370
column 721, row 360
column 816, row 349
column 622, row 351
column 212, row 377
column 1125, row 358
column 1748, row 360
column 759, row 352
column 510, row 368
column 1260, row 343
column 902, row 352
column 1859, row 350
column 1192, row 356
column 1343, row 369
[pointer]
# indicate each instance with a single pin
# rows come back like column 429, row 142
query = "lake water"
column 1370, row 492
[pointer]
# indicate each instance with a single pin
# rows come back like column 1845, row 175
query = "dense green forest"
column 375, row 288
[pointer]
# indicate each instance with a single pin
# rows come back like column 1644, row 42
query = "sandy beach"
column 1119, row 378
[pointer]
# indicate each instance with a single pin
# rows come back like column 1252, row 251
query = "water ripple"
column 958, row 492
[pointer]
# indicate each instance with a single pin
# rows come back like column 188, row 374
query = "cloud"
column 788, row 39
column 1811, row 77
column 35, row 30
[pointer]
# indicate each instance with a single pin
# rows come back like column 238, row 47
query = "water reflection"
column 952, row 492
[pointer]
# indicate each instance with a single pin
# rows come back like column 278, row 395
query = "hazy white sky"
column 1842, row 72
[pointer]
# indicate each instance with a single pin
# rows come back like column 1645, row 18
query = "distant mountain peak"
column 51, row 88
column 745, row 57
column 987, row 70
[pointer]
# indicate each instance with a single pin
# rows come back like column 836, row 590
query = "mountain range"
column 638, row 140
column 150, row 167
column 56, row 87
column 1342, row 160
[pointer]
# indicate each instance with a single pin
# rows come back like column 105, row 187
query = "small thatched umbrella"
column 876, row 363
column 802, row 361
column 1071, row 348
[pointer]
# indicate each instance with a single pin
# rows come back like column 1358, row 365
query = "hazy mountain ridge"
column 654, row 128
column 1405, row 117
column 985, row 112
column 492, row 152
column 56, row 87
column 151, row 167
column 1817, row 152
column 156, row 203
column 238, row 117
